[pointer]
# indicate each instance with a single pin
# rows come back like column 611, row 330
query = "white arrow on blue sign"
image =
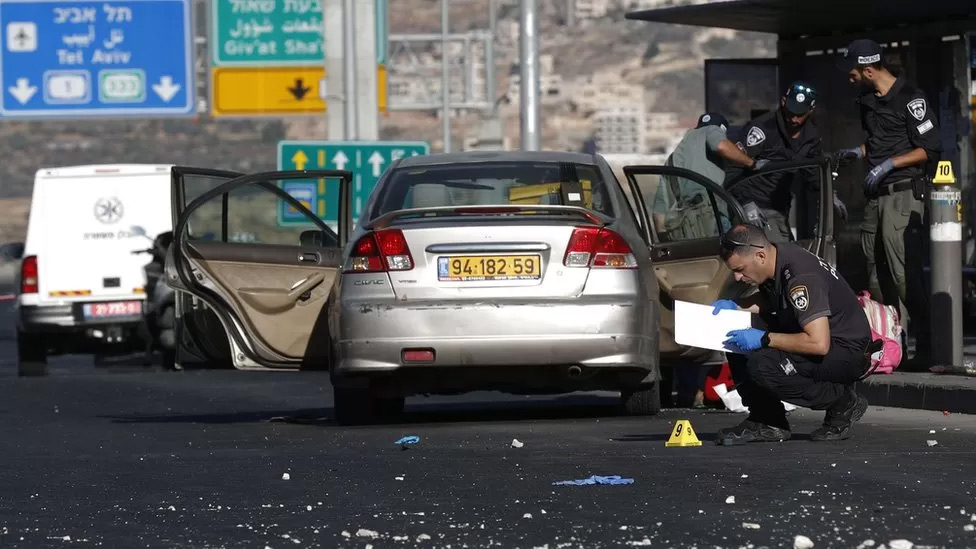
column 70, row 58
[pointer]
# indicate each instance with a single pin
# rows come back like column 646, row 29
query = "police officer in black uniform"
column 782, row 135
column 813, row 346
column 902, row 141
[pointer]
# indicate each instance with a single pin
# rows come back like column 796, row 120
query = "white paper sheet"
column 696, row 326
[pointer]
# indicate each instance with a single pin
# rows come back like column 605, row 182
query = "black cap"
column 860, row 53
column 712, row 119
column 800, row 98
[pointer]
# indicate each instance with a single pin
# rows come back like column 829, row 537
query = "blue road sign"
column 78, row 58
column 305, row 192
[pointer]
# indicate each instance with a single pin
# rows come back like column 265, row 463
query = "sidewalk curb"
column 921, row 391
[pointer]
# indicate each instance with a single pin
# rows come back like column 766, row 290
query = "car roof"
column 496, row 156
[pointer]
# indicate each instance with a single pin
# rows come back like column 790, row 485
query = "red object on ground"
column 717, row 375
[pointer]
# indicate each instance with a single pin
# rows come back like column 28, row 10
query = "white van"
column 81, row 287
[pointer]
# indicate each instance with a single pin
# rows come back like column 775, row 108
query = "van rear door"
column 93, row 217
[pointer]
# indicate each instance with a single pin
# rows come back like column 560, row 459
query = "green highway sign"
column 367, row 160
column 267, row 32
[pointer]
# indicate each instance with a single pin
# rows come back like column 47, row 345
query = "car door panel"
column 270, row 290
column 270, row 296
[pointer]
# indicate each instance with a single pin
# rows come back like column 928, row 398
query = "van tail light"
column 380, row 251
column 28, row 275
column 598, row 248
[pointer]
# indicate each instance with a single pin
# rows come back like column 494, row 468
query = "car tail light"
column 379, row 251
column 598, row 248
column 28, row 275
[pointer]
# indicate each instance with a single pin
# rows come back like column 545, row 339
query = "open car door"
column 684, row 214
column 264, row 265
column 197, row 335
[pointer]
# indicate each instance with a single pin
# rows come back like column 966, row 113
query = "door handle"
column 663, row 253
column 308, row 257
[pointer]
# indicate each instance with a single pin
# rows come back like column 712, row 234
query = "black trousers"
column 767, row 377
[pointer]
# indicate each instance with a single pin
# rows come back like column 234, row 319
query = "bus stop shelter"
column 932, row 44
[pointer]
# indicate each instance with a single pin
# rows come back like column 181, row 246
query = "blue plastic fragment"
column 412, row 439
column 595, row 479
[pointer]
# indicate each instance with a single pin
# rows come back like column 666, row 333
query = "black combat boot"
column 840, row 417
column 753, row 431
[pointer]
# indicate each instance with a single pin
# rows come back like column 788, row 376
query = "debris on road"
column 900, row 544
column 422, row 537
column 595, row 479
column 750, row 525
column 931, row 442
column 516, row 443
column 364, row 533
column 802, row 542
column 285, row 476
column 527, row 516
column 411, row 439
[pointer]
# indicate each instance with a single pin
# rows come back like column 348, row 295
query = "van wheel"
column 31, row 355
column 644, row 401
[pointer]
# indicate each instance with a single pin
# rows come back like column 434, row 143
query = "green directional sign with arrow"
column 367, row 160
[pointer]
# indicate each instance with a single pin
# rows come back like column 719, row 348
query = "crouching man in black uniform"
column 812, row 350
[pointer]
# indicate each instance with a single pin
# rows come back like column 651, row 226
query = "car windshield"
column 494, row 184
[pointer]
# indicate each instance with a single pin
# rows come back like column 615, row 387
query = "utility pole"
column 349, row 70
column 529, row 65
column 445, row 79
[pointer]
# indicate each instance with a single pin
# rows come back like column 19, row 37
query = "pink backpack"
column 884, row 326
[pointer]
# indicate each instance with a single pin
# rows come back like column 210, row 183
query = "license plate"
column 489, row 267
column 112, row 309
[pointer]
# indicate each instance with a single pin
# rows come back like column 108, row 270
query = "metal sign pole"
column 945, row 211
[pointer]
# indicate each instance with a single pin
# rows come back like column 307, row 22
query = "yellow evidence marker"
column 683, row 435
column 943, row 173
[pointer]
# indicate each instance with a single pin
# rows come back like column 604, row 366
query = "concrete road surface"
column 135, row 457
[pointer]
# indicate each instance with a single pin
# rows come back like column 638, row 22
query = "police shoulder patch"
column 917, row 108
column 755, row 136
column 800, row 298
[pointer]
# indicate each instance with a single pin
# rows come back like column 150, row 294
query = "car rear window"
column 492, row 184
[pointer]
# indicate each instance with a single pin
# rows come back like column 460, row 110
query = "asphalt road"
column 136, row 457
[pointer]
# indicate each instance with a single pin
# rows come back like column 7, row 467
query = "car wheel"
column 31, row 355
column 645, row 401
column 352, row 406
column 389, row 407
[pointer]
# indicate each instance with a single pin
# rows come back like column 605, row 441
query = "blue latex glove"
column 876, row 175
column 748, row 339
column 723, row 304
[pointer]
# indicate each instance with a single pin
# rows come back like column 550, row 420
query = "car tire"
column 352, row 406
column 389, row 407
column 31, row 355
column 644, row 401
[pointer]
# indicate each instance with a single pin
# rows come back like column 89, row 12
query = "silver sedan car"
column 523, row 272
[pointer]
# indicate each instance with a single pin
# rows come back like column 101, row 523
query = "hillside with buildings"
column 621, row 86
